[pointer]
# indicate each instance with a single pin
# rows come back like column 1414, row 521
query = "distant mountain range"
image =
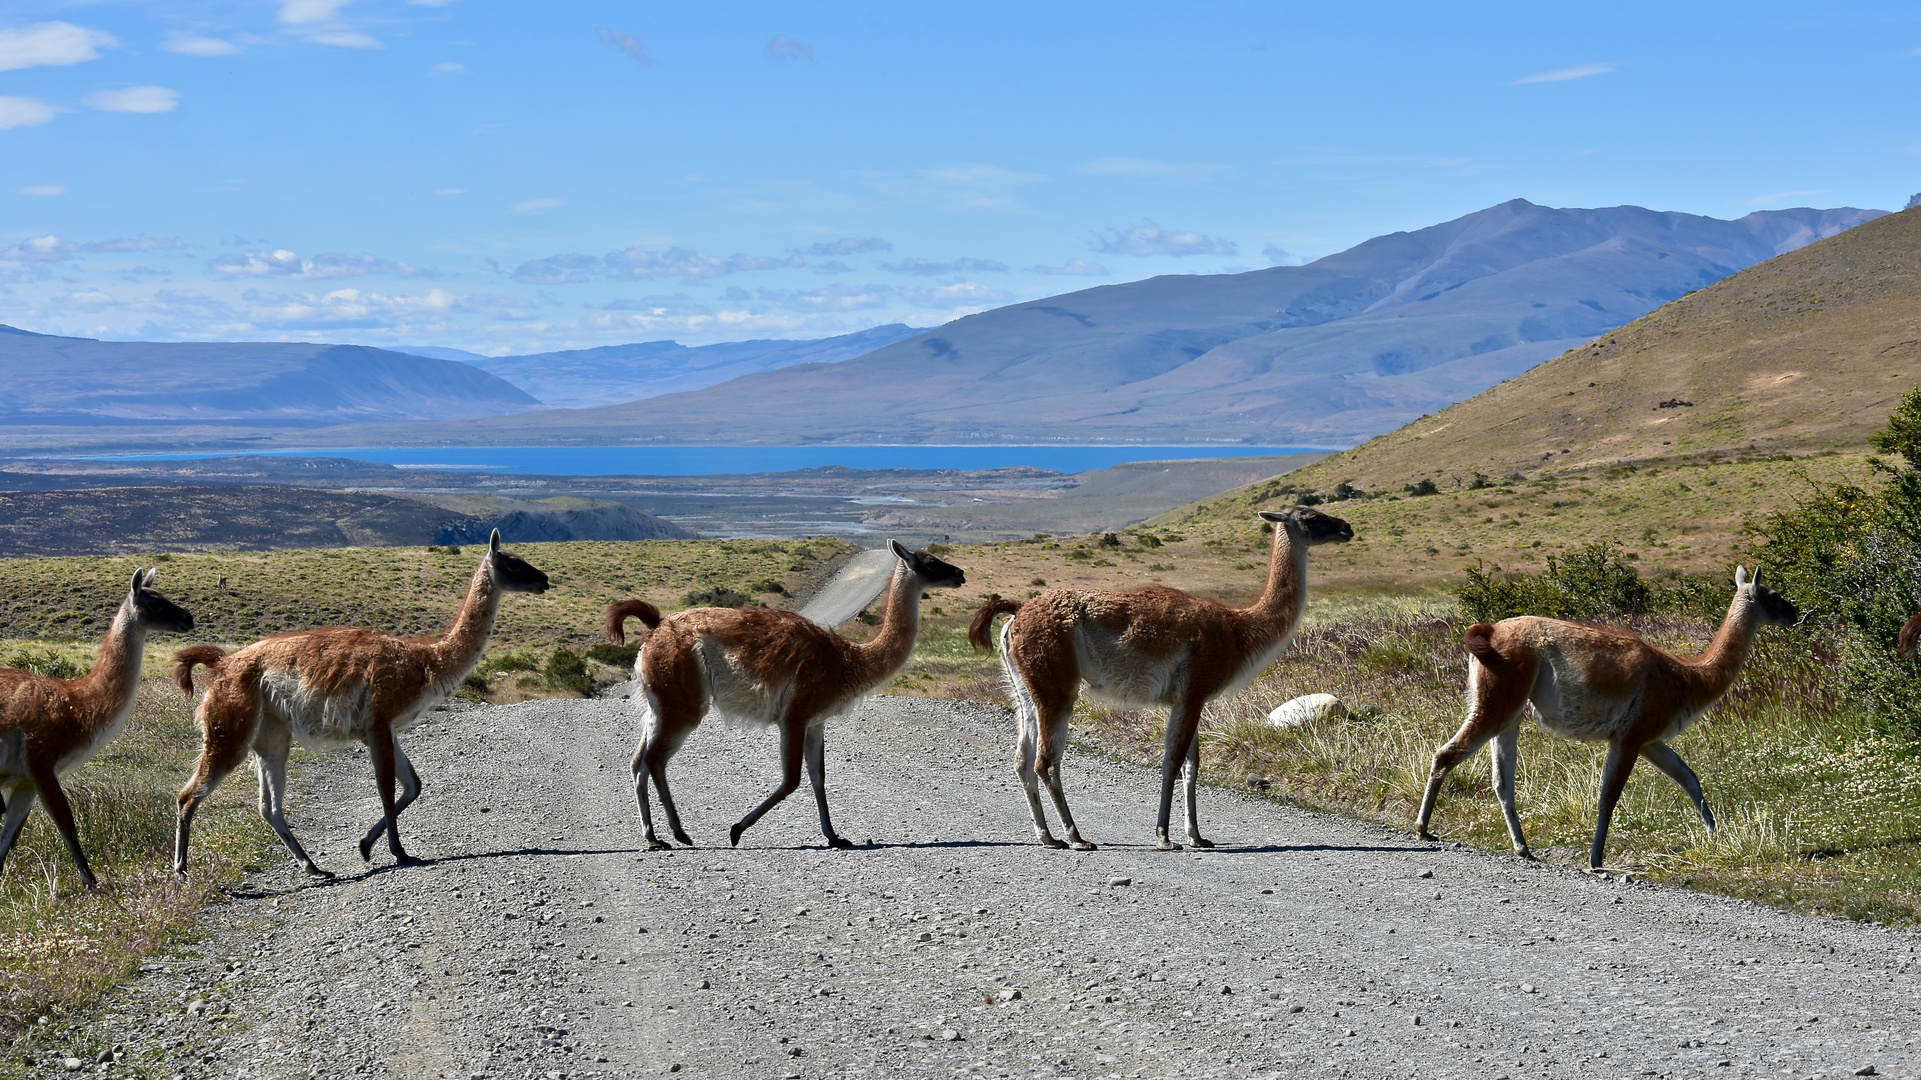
column 1807, row 353
column 1330, row 353
column 584, row 378
column 60, row 381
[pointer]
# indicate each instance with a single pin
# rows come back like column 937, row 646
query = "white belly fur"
column 319, row 720
column 1116, row 677
column 1569, row 709
column 742, row 702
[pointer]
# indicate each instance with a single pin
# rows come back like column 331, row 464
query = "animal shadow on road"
column 262, row 893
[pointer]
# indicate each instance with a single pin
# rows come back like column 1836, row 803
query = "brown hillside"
column 1804, row 353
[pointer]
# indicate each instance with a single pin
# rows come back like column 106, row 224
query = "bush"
column 565, row 670
column 717, row 596
column 1147, row 540
column 1423, row 487
column 620, row 656
column 41, row 661
column 1594, row 582
column 1109, row 540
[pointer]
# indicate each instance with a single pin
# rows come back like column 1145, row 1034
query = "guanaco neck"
column 105, row 694
column 456, row 652
column 1278, row 609
column 884, row 654
column 1712, row 672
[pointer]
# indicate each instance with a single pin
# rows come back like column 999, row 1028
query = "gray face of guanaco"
column 933, row 571
column 1773, row 607
column 154, row 611
column 511, row 572
column 1310, row 525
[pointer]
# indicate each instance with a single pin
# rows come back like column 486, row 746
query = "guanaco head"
column 1910, row 631
column 1771, row 605
column 152, row 611
column 512, row 573
column 1310, row 526
column 933, row 571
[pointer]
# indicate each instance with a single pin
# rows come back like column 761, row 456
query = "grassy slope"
column 401, row 590
column 1804, row 353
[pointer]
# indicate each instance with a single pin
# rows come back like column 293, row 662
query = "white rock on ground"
column 1307, row 708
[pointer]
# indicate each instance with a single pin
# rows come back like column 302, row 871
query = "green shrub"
column 1423, row 487
column 1147, row 540
column 1594, row 582
column 717, row 596
column 565, row 670
column 41, row 661
column 620, row 656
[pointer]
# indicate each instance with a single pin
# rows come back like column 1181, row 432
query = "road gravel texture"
column 540, row 941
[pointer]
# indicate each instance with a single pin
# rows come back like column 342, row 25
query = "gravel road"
column 541, row 941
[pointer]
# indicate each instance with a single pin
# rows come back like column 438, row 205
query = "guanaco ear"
column 1740, row 577
column 494, row 543
column 1756, row 579
column 138, row 574
column 901, row 552
column 1272, row 516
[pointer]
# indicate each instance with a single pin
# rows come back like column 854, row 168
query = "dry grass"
column 399, row 590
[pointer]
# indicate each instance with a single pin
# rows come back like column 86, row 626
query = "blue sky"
column 514, row 177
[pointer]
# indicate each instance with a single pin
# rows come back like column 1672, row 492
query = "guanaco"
column 1142, row 647
column 1596, row 684
column 757, row 667
column 51, row 726
column 332, row 686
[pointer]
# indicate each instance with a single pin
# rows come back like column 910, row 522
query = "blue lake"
column 710, row 460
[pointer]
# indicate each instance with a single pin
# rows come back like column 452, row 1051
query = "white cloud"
column 297, row 12
column 958, row 266
column 45, row 191
column 640, row 264
column 536, row 206
column 50, row 248
column 1149, row 238
column 196, row 45
column 347, row 308
column 1170, row 172
column 447, row 67
column 847, row 245
column 838, row 297
column 24, row 112
column 51, row 44
column 626, row 43
column 135, row 99
column 1565, row 74
column 1276, row 256
column 1080, row 267
column 782, row 47
column 958, row 294
column 345, row 39
column 281, row 263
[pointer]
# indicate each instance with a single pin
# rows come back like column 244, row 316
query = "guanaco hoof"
column 1082, row 845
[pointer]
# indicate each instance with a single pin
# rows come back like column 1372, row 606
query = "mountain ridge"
column 1330, row 353
column 1804, row 354
column 56, row 381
